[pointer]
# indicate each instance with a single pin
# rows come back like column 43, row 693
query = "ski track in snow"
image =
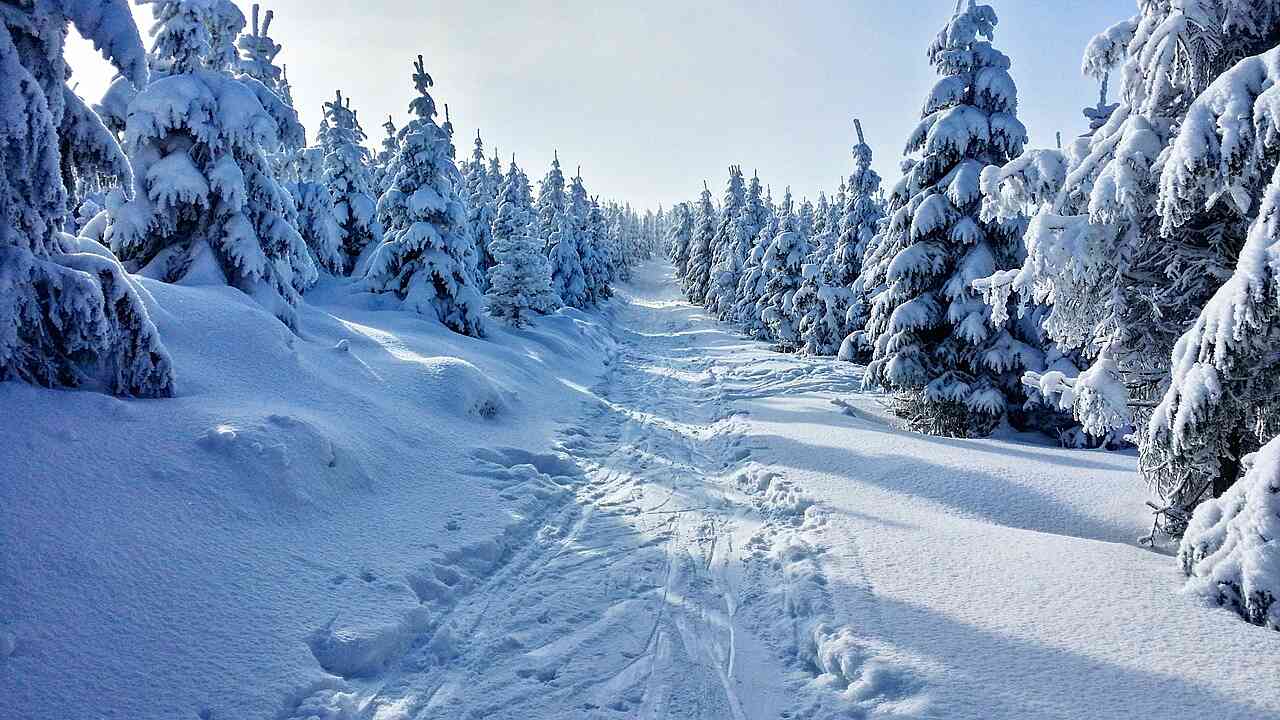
column 655, row 569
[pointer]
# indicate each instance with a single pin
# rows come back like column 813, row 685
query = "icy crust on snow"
column 304, row 507
column 1231, row 549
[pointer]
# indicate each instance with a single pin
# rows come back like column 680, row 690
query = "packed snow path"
column 731, row 534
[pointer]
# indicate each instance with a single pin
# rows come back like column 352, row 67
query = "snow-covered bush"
column 955, row 368
column 346, row 171
column 1231, row 548
column 520, row 282
column 69, row 314
column 422, row 260
column 207, row 207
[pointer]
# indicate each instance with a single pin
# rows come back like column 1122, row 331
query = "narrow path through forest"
column 676, row 577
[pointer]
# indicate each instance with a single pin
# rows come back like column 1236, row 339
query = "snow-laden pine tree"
column 1122, row 262
column 551, row 205
column 782, row 266
column 258, row 52
column 567, row 277
column 520, row 282
column 381, row 173
column 618, row 270
column 596, row 259
column 679, row 235
column 819, row 332
column 317, row 221
column 954, row 370
column 346, row 169
column 698, row 269
column 206, row 205
column 1221, row 402
column 722, row 290
column 751, row 287
column 850, row 298
column 423, row 260
column 69, row 314
column 480, row 207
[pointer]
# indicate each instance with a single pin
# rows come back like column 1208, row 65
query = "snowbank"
column 298, row 512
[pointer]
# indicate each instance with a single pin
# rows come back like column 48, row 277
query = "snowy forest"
column 335, row 424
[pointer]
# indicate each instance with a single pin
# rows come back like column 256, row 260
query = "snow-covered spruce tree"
column 1123, row 271
column 1230, row 547
column 698, row 270
column 317, row 221
column 953, row 370
column 69, row 314
column 747, row 228
column 520, row 282
column 551, row 205
column 752, row 286
column 207, row 207
column 382, row 173
column 819, row 331
column 346, row 170
column 782, row 266
column 679, row 235
column 1221, row 402
column 722, row 290
column 849, row 297
column 595, row 255
column 422, row 260
column 567, row 277
column 480, row 207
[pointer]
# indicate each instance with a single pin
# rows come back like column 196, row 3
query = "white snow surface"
column 629, row 513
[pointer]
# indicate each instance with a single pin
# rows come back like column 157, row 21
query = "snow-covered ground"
column 629, row 514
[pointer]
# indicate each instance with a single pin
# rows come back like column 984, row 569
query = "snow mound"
column 1231, row 549
column 286, row 458
column 463, row 389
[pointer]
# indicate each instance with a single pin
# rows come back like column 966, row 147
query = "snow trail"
column 672, row 576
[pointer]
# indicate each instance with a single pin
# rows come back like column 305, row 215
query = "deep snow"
column 626, row 514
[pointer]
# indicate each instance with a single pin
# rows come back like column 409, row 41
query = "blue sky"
column 653, row 97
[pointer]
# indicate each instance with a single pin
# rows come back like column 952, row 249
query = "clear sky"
column 653, row 97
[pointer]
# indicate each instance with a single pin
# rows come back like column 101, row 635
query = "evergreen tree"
column 317, row 221
column 423, row 258
column 346, row 169
column 382, row 174
column 206, row 205
column 680, row 234
column 595, row 255
column 752, row 286
column 69, row 315
column 782, row 266
column 953, row 367
column 520, row 282
column 726, row 268
column 850, row 297
column 1124, row 265
column 551, row 205
column 698, row 271
column 480, row 207
column 567, row 277
column 618, row 269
